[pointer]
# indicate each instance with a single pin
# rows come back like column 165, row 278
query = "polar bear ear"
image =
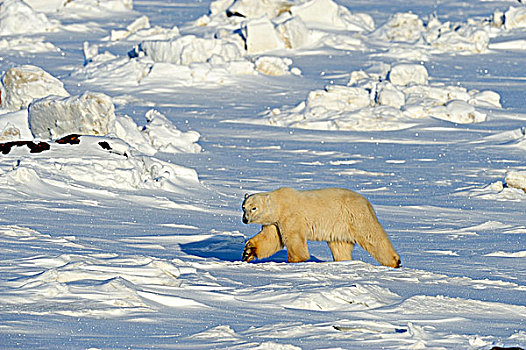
column 246, row 195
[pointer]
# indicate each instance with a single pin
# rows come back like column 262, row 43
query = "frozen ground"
column 132, row 238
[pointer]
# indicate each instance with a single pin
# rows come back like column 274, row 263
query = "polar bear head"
column 257, row 209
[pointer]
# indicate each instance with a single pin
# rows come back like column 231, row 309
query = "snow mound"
column 498, row 192
column 328, row 14
column 315, row 13
column 357, row 297
column 97, row 6
column 277, row 24
column 407, row 27
column 30, row 45
column 198, row 59
column 389, row 101
column 14, row 126
column 140, row 29
column 190, row 49
column 164, row 136
column 17, row 17
column 516, row 179
column 159, row 134
column 515, row 18
column 45, row 5
column 108, row 69
column 257, row 8
column 21, row 85
column 500, row 254
column 193, row 59
column 405, row 74
column 271, row 65
column 87, row 114
column 470, row 37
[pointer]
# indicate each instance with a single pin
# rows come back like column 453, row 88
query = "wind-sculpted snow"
column 97, row 162
column 17, row 17
column 131, row 131
column 102, row 284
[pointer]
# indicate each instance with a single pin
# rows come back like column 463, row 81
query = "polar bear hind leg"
column 341, row 250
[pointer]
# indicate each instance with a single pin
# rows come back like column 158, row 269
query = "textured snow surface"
column 130, row 132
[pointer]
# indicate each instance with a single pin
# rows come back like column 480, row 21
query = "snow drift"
column 445, row 37
column 17, row 17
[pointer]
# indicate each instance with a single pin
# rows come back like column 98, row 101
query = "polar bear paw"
column 249, row 253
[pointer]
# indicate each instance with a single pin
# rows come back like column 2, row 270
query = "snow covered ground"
column 130, row 235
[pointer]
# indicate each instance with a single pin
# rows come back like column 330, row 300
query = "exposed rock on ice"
column 93, row 114
column 88, row 114
column 21, row 85
column 372, row 102
column 17, row 17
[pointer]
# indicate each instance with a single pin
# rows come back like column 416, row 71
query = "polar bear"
column 339, row 216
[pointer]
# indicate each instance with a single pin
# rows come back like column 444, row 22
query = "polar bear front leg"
column 293, row 235
column 264, row 244
column 341, row 250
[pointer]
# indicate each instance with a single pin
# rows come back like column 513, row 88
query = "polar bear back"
column 331, row 214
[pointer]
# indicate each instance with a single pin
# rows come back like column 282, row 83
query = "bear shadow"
column 222, row 247
column 230, row 248
column 281, row 257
